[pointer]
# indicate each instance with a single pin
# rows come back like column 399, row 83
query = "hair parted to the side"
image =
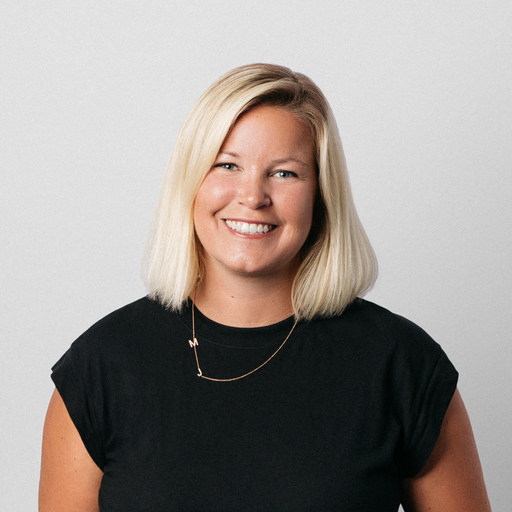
column 338, row 263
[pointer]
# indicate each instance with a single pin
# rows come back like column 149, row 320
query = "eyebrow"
column 290, row 159
column 230, row 153
column 274, row 162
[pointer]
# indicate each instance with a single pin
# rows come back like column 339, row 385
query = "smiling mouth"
column 249, row 228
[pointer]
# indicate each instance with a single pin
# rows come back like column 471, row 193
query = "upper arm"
column 452, row 479
column 70, row 479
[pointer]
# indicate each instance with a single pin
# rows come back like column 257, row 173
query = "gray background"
column 93, row 94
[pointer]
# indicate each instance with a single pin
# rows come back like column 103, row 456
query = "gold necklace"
column 194, row 343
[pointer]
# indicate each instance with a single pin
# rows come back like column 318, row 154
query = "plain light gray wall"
column 93, row 94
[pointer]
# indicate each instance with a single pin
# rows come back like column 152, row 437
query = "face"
column 254, row 209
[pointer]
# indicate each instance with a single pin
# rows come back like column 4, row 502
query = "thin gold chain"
column 194, row 343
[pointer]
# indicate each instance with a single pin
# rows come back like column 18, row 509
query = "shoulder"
column 121, row 344
column 398, row 364
column 381, row 345
column 141, row 317
column 139, row 313
column 128, row 330
column 366, row 322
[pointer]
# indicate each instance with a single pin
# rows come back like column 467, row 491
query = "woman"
column 253, row 377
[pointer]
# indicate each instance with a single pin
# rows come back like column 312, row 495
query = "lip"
column 255, row 235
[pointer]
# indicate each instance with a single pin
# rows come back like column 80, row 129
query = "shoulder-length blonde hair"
column 337, row 261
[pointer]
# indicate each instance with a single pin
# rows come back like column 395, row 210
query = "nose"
column 253, row 192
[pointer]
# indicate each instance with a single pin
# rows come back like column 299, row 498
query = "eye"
column 285, row 174
column 226, row 165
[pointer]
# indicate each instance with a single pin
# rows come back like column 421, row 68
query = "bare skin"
column 452, row 478
column 239, row 305
column 70, row 480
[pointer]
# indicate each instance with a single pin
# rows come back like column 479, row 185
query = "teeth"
column 249, row 229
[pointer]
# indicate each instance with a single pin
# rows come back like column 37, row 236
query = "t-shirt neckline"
column 237, row 337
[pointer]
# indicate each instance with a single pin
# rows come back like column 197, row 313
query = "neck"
column 245, row 302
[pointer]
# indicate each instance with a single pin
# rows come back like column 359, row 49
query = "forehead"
column 272, row 127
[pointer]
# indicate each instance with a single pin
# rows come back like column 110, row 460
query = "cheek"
column 298, row 210
column 304, row 206
column 307, row 214
column 211, row 196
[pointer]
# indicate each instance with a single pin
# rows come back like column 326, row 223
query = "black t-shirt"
column 349, row 407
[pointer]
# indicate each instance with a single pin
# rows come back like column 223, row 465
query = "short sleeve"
column 426, row 381
column 76, row 377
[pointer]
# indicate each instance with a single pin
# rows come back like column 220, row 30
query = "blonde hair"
column 338, row 263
